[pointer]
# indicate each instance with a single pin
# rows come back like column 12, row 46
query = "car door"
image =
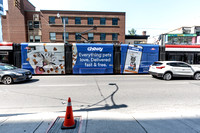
column 184, row 69
column 175, row 68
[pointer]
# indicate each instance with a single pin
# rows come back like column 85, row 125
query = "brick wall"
column 72, row 28
column 15, row 28
column 13, row 25
column 28, row 6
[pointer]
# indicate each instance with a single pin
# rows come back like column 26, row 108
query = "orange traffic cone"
column 69, row 122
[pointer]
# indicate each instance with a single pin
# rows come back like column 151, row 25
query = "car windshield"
column 7, row 67
column 157, row 64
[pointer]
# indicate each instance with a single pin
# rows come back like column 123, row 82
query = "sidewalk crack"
column 86, row 123
column 140, row 125
column 185, row 123
column 3, row 121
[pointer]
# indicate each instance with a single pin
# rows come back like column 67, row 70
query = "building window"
column 115, row 21
column 36, row 24
column 137, row 42
column 102, row 21
column 37, row 38
column 114, row 36
column 66, row 36
column 1, row 8
column 66, row 20
column 77, row 20
column 90, row 21
column 180, row 39
column 90, row 36
column 30, row 25
column 103, row 36
column 77, row 36
column 30, row 38
column 52, row 36
column 198, row 33
column 52, row 20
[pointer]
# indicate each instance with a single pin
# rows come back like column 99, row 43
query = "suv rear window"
column 157, row 64
column 172, row 64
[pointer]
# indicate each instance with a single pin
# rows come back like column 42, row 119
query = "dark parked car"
column 10, row 74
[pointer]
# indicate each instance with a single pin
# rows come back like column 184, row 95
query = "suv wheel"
column 197, row 76
column 154, row 76
column 167, row 76
column 7, row 80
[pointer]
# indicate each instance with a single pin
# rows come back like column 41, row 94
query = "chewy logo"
column 95, row 49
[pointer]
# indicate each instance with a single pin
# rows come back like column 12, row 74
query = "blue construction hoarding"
column 87, row 58
column 43, row 58
column 92, row 58
column 136, row 58
column 150, row 54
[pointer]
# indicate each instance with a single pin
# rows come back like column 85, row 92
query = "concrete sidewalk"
column 105, row 122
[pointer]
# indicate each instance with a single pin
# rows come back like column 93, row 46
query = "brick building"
column 23, row 24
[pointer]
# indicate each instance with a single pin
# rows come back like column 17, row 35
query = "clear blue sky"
column 154, row 16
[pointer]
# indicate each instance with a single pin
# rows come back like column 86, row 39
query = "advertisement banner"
column 92, row 58
column 43, row 58
column 150, row 54
column 133, row 58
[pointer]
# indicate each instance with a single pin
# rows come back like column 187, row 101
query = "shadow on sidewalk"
column 106, row 107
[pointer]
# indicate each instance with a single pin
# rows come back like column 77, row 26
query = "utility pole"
column 64, row 27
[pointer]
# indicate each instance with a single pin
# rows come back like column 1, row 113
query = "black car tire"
column 7, row 80
column 197, row 76
column 154, row 76
column 167, row 76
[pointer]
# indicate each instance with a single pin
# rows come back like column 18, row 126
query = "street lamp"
column 80, row 34
column 64, row 27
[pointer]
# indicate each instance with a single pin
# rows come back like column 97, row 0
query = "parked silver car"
column 169, row 69
column 10, row 74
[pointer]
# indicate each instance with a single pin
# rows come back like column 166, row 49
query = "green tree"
column 132, row 31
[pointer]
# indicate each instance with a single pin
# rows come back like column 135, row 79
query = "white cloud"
column 5, row 5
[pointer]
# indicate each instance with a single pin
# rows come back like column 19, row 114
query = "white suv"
column 169, row 69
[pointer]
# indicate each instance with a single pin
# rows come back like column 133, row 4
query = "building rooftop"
column 136, row 36
column 82, row 11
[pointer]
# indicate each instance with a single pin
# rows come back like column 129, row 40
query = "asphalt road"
column 146, row 99
column 136, row 93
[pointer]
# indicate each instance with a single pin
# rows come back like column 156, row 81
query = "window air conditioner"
column 35, row 17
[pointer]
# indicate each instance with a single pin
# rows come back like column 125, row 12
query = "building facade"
column 1, row 13
column 23, row 24
column 136, row 39
column 182, row 44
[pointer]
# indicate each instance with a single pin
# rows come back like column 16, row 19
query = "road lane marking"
column 91, row 76
column 176, row 83
column 63, row 85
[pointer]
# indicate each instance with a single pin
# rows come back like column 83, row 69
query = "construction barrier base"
column 72, row 127
column 55, row 126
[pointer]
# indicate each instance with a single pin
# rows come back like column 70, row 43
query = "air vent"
column 35, row 17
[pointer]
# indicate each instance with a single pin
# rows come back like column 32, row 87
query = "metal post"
column 64, row 30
